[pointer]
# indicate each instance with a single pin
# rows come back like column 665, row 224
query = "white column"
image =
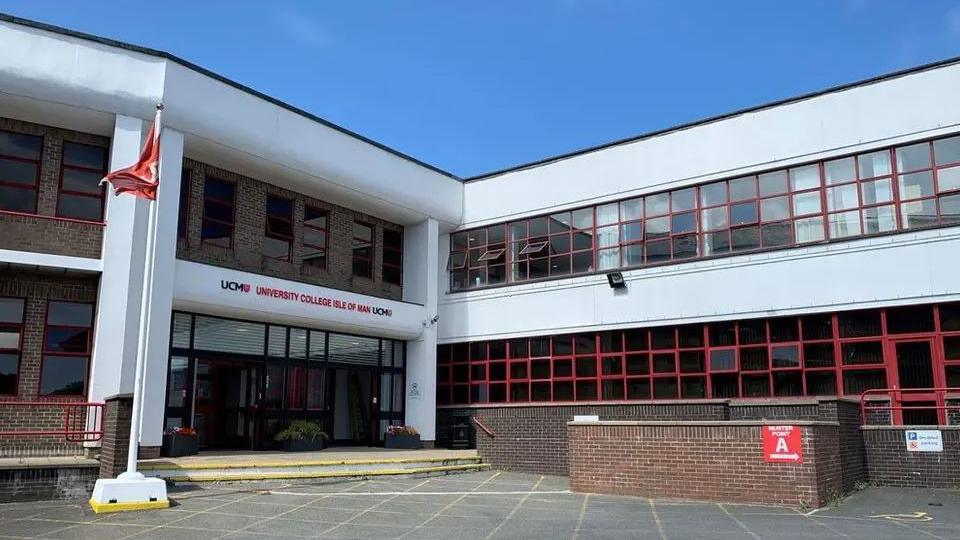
column 161, row 303
column 420, row 275
column 118, row 305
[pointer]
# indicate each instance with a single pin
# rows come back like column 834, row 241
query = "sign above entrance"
column 305, row 298
column 212, row 290
column 782, row 444
column 924, row 440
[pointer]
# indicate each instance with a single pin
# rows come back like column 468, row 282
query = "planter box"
column 402, row 442
column 305, row 445
column 180, row 445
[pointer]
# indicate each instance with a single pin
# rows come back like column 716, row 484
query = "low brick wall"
column 891, row 464
column 705, row 460
column 40, row 483
column 533, row 438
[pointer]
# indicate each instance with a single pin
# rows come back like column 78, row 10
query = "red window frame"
column 80, row 356
column 231, row 204
column 37, row 163
column 269, row 233
column 16, row 327
column 61, row 191
column 321, row 260
column 394, row 250
column 183, row 210
column 360, row 244
column 810, row 217
column 674, row 362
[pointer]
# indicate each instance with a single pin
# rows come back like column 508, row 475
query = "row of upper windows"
column 80, row 196
column 218, row 224
column 893, row 189
column 79, row 193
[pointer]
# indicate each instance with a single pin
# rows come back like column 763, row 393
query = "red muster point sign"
column 782, row 444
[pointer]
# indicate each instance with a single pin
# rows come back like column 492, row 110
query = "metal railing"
column 484, row 428
column 889, row 405
column 82, row 421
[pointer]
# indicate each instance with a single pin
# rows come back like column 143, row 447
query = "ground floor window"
column 11, row 343
column 238, row 383
column 843, row 353
column 67, row 344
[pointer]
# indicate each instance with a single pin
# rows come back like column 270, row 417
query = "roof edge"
column 4, row 17
column 711, row 119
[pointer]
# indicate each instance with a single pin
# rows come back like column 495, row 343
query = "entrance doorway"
column 914, row 362
column 227, row 403
column 353, row 395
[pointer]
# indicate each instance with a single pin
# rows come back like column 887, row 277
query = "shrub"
column 302, row 429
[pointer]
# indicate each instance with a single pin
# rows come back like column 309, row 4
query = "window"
column 824, row 354
column 278, row 235
column 946, row 158
column 67, row 343
column 183, row 216
column 19, row 171
column 362, row 249
column 11, row 343
column 81, row 195
column 315, row 236
column 218, row 218
column 877, row 192
column 393, row 256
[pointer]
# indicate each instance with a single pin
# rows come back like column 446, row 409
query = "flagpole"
column 146, row 297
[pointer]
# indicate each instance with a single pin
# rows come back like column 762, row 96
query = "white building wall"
column 421, row 270
column 116, row 330
column 901, row 268
column 880, row 114
column 161, row 302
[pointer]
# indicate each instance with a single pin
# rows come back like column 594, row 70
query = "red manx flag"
column 140, row 179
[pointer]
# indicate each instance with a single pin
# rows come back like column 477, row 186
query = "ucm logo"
column 234, row 286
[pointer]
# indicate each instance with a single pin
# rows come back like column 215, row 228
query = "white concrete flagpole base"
column 129, row 491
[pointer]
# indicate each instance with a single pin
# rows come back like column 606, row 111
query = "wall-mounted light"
column 615, row 279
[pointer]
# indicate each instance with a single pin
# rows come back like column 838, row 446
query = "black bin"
column 460, row 432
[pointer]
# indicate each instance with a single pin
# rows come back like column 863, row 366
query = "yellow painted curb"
column 333, row 474
column 103, row 508
column 269, row 464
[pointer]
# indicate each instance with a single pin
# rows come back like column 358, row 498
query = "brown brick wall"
column 250, row 217
column 43, row 235
column 116, row 435
column 892, row 465
column 38, row 289
column 702, row 461
column 534, row 438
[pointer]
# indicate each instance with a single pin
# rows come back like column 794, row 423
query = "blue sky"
column 472, row 87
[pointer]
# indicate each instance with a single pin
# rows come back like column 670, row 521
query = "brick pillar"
column 116, row 434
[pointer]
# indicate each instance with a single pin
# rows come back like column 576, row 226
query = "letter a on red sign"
column 782, row 444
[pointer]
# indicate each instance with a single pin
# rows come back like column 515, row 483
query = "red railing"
column 896, row 401
column 82, row 421
column 484, row 428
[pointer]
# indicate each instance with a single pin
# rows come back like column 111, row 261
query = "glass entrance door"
column 227, row 403
column 353, row 396
column 914, row 361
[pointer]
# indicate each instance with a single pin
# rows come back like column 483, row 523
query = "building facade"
column 806, row 248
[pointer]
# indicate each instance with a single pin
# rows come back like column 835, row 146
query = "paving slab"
column 485, row 505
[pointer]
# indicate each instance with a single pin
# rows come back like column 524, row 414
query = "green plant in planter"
column 300, row 430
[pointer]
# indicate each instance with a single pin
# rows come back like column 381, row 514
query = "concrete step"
column 224, row 469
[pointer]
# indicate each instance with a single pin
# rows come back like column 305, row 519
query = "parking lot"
column 477, row 506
